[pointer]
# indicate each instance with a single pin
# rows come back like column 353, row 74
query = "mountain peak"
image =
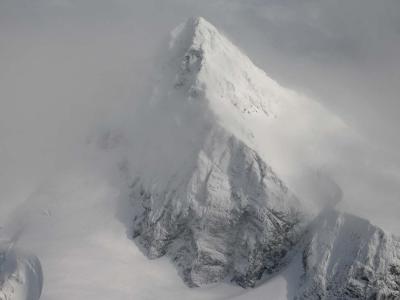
column 195, row 32
column 203, row 195
column 206, row 65
column 201, row 26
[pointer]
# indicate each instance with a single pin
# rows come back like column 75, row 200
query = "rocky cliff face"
column 231, row 216
column 348, row 258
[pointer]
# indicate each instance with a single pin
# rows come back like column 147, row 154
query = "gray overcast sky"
column 67, row 65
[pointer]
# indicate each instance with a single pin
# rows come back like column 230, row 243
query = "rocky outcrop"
column 230, row 217
column 349, row 258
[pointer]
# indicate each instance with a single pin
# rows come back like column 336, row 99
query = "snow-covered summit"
column 203, row 195
column 206, row 79
column 213, row 66
column 209, row 68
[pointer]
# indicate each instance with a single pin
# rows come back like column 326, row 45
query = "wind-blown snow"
column 288, row 130
column 211, row 203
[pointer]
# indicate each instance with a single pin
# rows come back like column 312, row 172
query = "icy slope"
column 203, row 196
column 286, row 128
column 349, row 258
column 20, row 274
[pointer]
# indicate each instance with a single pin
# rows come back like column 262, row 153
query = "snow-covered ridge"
column 346, row 257
column 221, row 68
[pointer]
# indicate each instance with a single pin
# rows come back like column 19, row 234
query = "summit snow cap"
column 227, row 76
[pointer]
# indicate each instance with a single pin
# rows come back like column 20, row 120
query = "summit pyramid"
column 205, row 197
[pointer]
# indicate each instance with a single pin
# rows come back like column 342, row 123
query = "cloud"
column 71, row 68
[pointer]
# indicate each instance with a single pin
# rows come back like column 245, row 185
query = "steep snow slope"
column 211, row 203
column 284, row 127
column 203, row 81
column 347, row 257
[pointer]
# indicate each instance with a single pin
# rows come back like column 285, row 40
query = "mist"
column 71, row 70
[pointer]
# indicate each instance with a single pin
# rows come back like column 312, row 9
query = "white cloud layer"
column 70, row 68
